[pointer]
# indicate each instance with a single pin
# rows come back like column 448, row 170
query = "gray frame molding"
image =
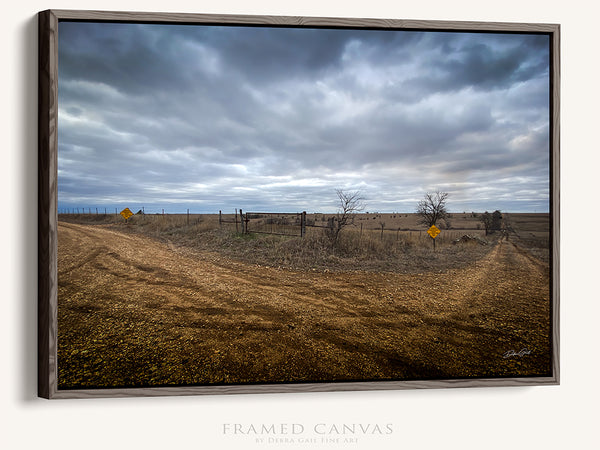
column 48, row 218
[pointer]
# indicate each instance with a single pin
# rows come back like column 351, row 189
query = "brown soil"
column 133, row 311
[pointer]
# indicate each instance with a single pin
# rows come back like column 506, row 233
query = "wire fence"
column 298, row 224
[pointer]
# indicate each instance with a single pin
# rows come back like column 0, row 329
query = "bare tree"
column 432, row 208
column 350, row 203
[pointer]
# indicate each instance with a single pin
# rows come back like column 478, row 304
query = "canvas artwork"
column 248, row 205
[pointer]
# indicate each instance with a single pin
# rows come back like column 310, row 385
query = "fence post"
column 242, row 221
column 219, row 218
column 303, row 224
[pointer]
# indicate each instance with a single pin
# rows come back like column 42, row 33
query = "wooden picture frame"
column 48, row 327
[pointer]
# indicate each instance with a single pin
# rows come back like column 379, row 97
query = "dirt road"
column 137, row 312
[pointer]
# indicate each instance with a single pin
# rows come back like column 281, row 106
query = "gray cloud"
column 277, row 118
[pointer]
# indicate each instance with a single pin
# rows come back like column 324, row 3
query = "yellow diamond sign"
column 433, row 231
column 126, row 213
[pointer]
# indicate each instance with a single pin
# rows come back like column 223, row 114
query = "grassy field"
column 531, row 232
column 390, row 242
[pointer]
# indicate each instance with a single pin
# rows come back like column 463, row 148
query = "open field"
column 149, row 304
column 402, row 246
column 531, row 232
column 362, row 246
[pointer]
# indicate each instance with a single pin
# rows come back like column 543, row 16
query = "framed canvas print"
column 248, row 204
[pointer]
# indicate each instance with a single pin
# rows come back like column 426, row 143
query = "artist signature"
column 511, row 353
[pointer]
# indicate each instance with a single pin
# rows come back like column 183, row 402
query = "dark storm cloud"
column 492, row 64
column 279, row 118
column 134, row 59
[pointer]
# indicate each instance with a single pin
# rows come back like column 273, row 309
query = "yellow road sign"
column 433, row 231
column 126, row 213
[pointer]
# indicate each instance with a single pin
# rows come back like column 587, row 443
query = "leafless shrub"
column 350, row 203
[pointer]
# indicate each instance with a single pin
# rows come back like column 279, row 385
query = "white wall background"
column 517, row 418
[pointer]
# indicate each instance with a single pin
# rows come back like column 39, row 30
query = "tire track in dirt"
column 134, row 311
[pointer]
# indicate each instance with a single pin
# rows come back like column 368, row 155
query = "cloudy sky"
column 276, row 119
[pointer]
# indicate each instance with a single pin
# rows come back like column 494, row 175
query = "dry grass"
column 403, row 246
column 531, row 232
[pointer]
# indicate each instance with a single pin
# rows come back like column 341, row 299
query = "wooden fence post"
column 220, row 218
column 303, row 224
column 242, row 221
